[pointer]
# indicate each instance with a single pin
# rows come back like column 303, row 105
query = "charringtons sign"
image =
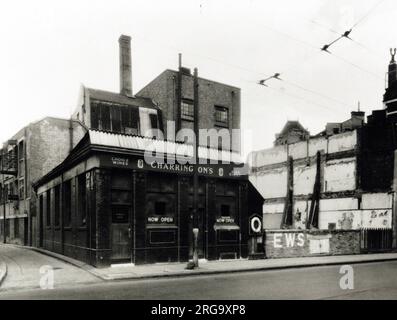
column 212, row 170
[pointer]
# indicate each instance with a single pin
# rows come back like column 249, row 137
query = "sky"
column 50, row 48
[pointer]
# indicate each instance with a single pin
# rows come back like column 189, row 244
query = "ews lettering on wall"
column 316, row 245
column 288, row 240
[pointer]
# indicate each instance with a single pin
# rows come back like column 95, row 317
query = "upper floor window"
column 124, row 119
column 221, row 116
column 21, row 158
column 153, row 121
column 187, row 110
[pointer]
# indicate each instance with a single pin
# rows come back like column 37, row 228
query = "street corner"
column 3, row 270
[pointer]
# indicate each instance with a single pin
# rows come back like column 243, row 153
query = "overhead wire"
column 341, row 36
column 368, row 13
column 292, row 68
column 280, row 90
column 347, row 33
column 295, row 66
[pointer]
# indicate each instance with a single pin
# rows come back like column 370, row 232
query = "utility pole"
column 195, row 173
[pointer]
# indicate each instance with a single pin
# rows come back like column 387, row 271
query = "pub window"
column 221, row 116
column 162, row 236
column 161, row 199
column 82, row 205
column 226, row 207
column 121, row 188
column 162, row 183
column 66, row 200
column 187, row 110
column 225, row 210
column 228, row 235
column 48, row 209
column 57, row 204
column 160, row 208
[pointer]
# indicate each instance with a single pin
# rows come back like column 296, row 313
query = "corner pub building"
column 105, row 203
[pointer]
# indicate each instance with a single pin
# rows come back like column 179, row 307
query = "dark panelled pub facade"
column 107, row 205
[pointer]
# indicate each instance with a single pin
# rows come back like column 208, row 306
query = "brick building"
column 341, row 179
column 220, row 105
column 27, row 156
column 107, row 202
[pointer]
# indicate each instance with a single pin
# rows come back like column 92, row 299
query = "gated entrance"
column 376, row 240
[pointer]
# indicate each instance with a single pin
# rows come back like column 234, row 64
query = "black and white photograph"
column 198, row 154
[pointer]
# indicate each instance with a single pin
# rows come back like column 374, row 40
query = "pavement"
column 21, row 267
column 161, row 270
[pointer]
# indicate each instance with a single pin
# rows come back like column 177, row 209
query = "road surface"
column 371, row 281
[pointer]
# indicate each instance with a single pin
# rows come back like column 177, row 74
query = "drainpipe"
column 70, row 135
column 179, row 94
column 195, row 176
column 25, row 182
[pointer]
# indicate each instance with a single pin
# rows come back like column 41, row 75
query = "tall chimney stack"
column 125, row 65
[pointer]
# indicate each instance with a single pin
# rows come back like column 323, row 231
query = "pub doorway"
column 121, row 232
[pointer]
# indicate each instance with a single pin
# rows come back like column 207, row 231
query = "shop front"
column 108, row 206
column 151, row 214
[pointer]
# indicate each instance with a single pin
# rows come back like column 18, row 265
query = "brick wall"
column 103, row 218
column 304, row 243
column 163, row 91
column 49, row 144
